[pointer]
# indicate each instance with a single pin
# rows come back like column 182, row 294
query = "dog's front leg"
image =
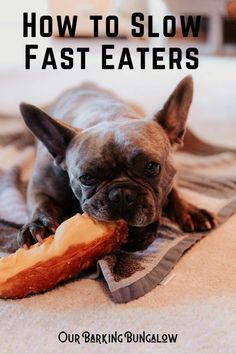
column 189, row 217
column 46, row 215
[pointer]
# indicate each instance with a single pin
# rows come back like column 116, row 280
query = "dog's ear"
column 174, row 114
column 54, row 134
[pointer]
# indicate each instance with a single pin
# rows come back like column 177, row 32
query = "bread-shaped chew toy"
column 77, row 244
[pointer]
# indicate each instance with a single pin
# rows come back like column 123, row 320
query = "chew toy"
column 77, row 244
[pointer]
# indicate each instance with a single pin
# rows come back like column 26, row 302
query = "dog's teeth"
column 25, row 246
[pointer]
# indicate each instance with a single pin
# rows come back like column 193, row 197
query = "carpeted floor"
column 199, row 302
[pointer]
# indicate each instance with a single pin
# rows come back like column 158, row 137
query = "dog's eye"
column 87, row 180
column 152, row 169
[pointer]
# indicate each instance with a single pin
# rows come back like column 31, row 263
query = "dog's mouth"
column 139, row 238
column 140, row 218
column 137, row 206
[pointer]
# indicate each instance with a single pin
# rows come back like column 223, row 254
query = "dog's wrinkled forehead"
column 119, row 143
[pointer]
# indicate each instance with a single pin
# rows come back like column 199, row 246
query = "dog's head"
column 120, row 169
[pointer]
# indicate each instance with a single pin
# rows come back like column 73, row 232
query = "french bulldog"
column 102, row 156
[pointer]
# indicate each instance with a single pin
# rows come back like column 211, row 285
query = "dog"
column 101, row 156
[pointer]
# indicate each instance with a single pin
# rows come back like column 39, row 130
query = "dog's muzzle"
column 122, row 199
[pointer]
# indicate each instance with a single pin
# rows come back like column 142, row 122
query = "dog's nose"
column 122, row 196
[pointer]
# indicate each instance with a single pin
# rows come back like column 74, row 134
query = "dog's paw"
column 193, row 219
column 36, row 231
